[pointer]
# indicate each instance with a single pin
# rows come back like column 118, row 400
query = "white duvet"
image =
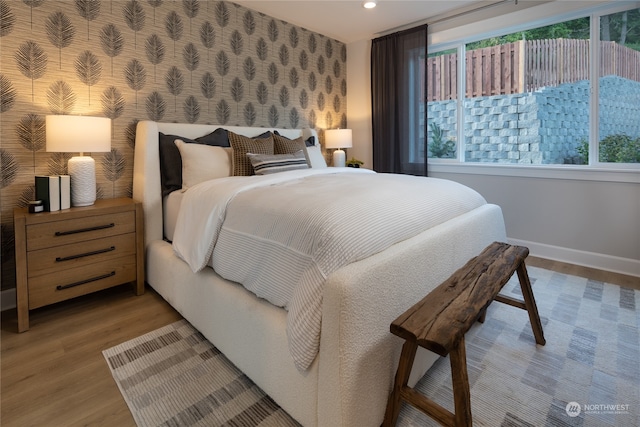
column 282, row 235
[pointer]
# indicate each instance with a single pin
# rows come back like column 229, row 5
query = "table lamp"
column 339, row 139
column 79, row 134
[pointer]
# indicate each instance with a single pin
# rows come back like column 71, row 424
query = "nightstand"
column 72, row 252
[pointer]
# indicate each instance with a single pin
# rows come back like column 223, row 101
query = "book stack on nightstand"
column 68, row 253
column 54, row 192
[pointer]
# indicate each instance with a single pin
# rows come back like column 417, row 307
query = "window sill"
column 629, row 174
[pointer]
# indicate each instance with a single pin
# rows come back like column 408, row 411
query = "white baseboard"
column 630, row 267
column 8, row 299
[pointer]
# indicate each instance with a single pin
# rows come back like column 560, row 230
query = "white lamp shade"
column 78, row 134
column 337, row 138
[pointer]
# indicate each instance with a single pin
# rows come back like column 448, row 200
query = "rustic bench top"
column 440, row 319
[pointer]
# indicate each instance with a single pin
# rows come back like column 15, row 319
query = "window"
column 442, row 95
column 619, row 88
column 534, row 97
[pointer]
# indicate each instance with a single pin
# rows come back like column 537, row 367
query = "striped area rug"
column 588, row 373
column 174, row 377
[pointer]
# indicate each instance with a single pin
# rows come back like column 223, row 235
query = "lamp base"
column 83, row 180
column 339, row 159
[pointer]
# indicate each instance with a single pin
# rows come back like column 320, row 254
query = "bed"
column 347, row 380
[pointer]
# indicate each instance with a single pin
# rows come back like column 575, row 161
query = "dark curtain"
column 398, row 82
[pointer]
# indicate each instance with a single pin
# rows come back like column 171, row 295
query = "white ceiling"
column 347, row 21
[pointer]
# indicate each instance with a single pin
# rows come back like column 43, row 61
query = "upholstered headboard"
column 146, row 165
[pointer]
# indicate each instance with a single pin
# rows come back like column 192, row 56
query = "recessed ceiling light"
column 369, row 4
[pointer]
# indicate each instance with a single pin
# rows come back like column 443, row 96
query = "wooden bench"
column 440, row 320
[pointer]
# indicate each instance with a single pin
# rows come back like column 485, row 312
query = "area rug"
column 588, row 373
column 174, row 377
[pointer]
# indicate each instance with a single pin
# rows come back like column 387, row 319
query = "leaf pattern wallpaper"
column 190, row 61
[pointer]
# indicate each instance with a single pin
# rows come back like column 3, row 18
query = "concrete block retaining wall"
column 542, row 127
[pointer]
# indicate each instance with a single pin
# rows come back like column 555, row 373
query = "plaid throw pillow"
column 282, row 145
column 242, row 145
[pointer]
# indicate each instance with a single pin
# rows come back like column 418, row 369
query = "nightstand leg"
column 23, row 320
column 139, row 287
column 22, row 290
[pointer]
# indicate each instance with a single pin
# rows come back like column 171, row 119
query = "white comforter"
column 281, row 235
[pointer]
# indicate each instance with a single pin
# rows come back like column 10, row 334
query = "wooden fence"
column 525, row 66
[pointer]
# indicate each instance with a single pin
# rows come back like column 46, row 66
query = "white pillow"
column 203, row 162
column 314, row 156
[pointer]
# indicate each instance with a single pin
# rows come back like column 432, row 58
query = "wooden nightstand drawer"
column 64, row 232
column 60, row 258
column 48, row 289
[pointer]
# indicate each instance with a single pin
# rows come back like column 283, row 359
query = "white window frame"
column 539, row 16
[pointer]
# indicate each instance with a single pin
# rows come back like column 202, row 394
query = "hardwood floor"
column 55, row 374
column 588, row 272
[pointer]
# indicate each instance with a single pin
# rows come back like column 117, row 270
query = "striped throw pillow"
column 264, row 164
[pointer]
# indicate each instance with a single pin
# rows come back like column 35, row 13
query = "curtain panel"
column 398, row 82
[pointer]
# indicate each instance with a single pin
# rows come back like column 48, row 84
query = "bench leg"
column 461, row 395
column 402, row 377
column 530, row 304
column 483, row 315
column 460, row 380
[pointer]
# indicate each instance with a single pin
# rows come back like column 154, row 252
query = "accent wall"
column 194, row 61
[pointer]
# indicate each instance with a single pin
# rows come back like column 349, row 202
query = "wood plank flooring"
column 54, row 375
column 588, row 272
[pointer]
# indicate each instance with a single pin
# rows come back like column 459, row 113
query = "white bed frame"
column 349, row 382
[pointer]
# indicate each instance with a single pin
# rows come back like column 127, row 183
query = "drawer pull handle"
column 99, row 251
column 82, row 282
column 84, row 230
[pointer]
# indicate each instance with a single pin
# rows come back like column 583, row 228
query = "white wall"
column 359, row 100
column 572, row 216
column 593, row 223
